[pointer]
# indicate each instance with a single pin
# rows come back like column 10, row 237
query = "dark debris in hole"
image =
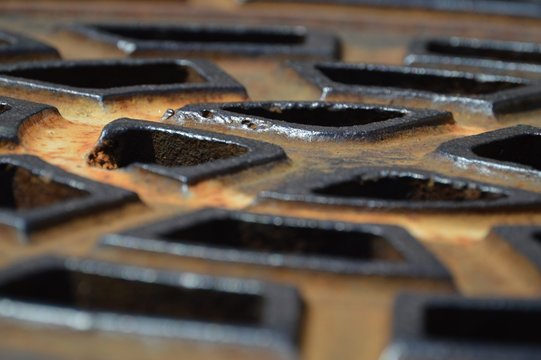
column 270, row 240
column 314, row 120
column 216, row 40
column 183, row 154
column 402, row 189
column 177, row 305
column 510, row 149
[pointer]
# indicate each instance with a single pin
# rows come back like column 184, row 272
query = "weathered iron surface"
column 493, row 95
column 185, row 155
column 112, row 79
column 212, row 40
column 314, row 120
column 335, row 247
column 510, row 149
column 402, row 189
column 91, row 295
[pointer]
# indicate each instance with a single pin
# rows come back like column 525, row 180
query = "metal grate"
column 223, row 179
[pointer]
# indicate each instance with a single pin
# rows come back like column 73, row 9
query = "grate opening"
column 4, row 108
column 482, row 52
column 500, row 325
column 440, row 84
column 405, row 188
column 319, row 116
column 91, row 292
column 522, row 149
column 160, row 148
column 107, row 76
column 286, row 239
column 205, row 35
column 21, row 190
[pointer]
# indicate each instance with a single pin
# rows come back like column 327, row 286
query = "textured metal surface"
column 220, row 179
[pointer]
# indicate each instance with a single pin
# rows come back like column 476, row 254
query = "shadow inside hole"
column 496, row 325
column 205, row 35
column 286, row 239
column 21, row 190
column 91, row 292
column 161, row 148
column 405, row 188
column 447, row 85
column 521, row 149
column 96, row 76
column 319, row 116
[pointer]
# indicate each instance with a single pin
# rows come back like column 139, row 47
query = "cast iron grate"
column 476, row 92
column 183, row 154
column 35, row 194
column 314, row 120
column 476, row 53
column 278, row 241
column 124, row 78
column 16, row 47
column 380, row 188
column 511, row 149
column 216, row 40
column 92, row 295
column 465, row 328
column 15, row 114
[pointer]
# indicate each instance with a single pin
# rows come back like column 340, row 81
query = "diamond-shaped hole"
column 497, row 325
column 4, row 108
column 319, row 116
column 411, row 81
column 91, row 292
column 522, row 149
column 205, row 35
column 405, row 188
column 111, row 75
column 160, row 148
column 287, row 239
column 482, row 52
column 21, row 190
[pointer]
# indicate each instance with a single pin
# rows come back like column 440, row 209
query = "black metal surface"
column 476, row 92
column 510, row 149
column 522, row 8
column 526, row 240
column 16, row 47
column 183, row 154
column 451, row 327
column 138, row 39
column 459, row 52
column 314, row 120
column 398, row 188
column 303, row 244
column 110, row 79
column 15, row 113
column 94, row 295
column 36, row 194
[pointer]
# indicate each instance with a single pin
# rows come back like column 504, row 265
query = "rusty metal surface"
column 218, row 179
